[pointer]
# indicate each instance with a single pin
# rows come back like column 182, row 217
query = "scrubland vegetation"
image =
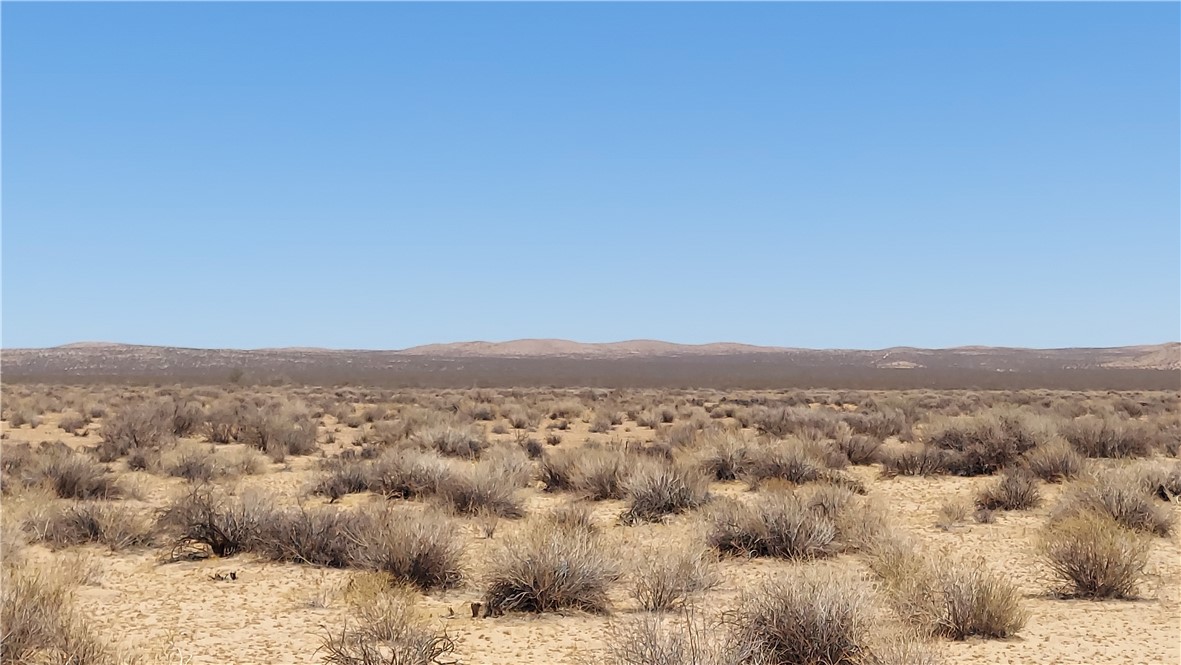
column 674, row 526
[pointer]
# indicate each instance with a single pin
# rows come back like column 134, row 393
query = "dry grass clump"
column 955, row 599
column 422, row 548
column 1016, row 490
column 667, row 577
column 39, row 622
column 115, row 525
column 810, row 616
column 548, row 567
column 1108, row 436
column 390, row 629
column 1121, row 496
column 985, row 443
column 1054, row 461
column 777, row 524
column 1093, row 556
column 659, row 487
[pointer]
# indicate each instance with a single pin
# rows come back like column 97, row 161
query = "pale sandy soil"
column 176, row 613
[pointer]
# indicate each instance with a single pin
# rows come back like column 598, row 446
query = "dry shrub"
column 1016, row 490
column 603, row 421
column 205, row 517
column 667, row 577
column 956, row 599
column 452, row 440
column 978, row 602
column 952, row 513
column 658, row 488
column 1093, row 556
column 115, row 525
column 1054, row 461
column 568, row 409
column 663, row 639
column 792, row 460
column 138, row 426
column 571, row 515
column 279, row 430
column 915, row 460
column 548, row 567
column 810, row 616
column 39, row 623
column 322, row 536
column 416, row 547
column 72, row 421
column 1120, row 495
column 185, row 417
column 390, row 629
column 344, row 476
column 778, row 524
column 727, row 456
column 194, row 463
column 790, row 420
column 76, row 476
column 1159, row 478
column 1108, row 436
column 408, row 474
column 860, row 449
column 555, row 469
column 601, row 473
column 987, row 442
column 482, row 487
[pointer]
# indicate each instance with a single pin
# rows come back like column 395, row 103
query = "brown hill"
column 638, row 363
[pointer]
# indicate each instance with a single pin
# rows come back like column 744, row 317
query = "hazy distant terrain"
column 638, row 363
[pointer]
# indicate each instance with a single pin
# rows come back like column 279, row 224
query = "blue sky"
column 385, row 175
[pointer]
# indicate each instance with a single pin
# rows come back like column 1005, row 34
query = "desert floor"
column 278, row 613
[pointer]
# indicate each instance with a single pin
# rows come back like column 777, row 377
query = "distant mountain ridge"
column 628, row 363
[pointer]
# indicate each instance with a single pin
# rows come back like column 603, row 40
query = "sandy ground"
column 278, row 613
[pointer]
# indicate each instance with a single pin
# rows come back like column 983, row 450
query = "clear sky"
column 385, row 175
